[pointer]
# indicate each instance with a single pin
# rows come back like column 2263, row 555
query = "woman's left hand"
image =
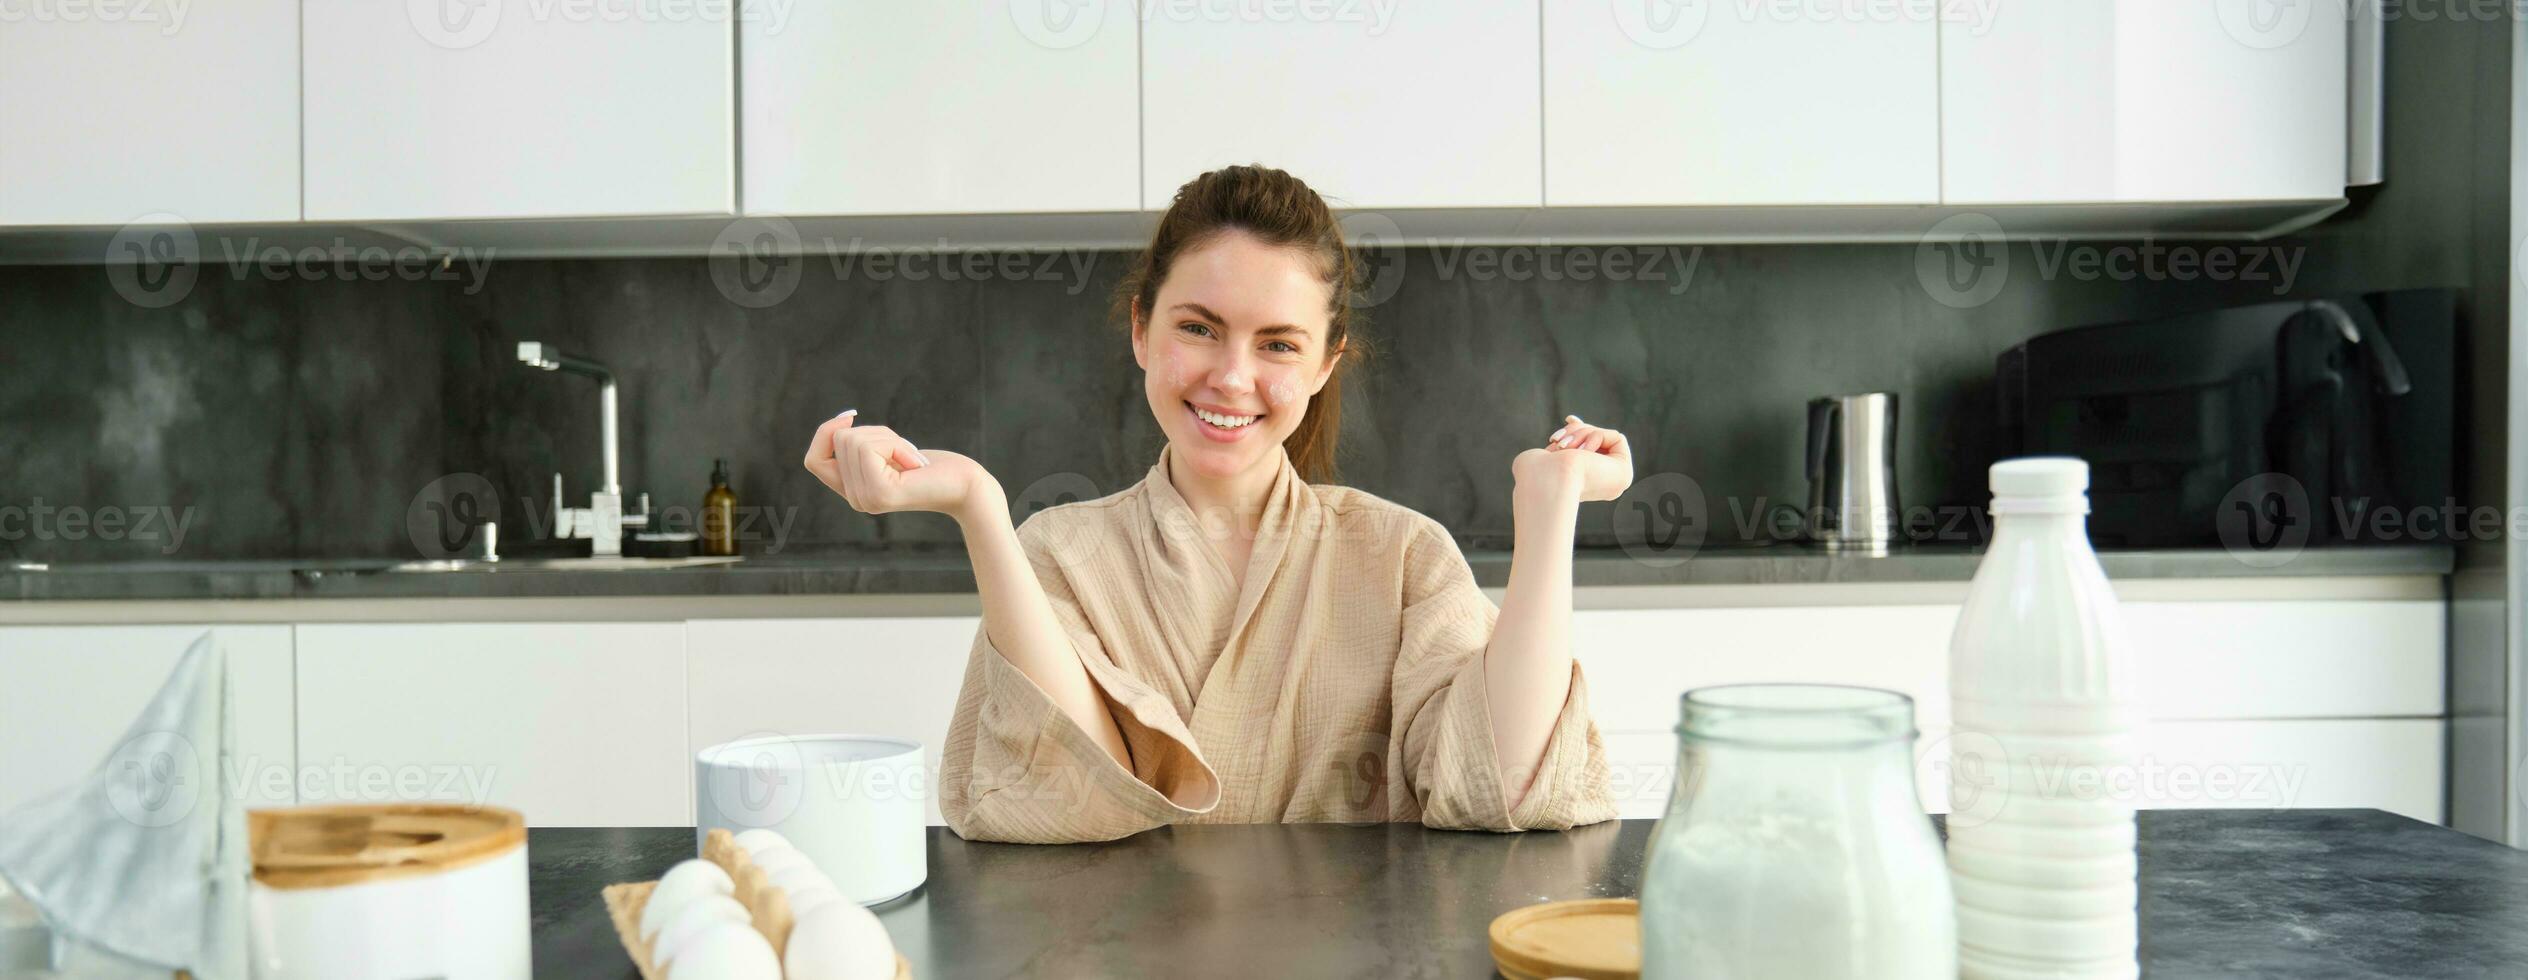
column 1594, row 462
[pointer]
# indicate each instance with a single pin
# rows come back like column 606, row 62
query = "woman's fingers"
column 1614, row 444
column 820, row 454
column 1578, row 434
column 871, row 467
column 822, row 448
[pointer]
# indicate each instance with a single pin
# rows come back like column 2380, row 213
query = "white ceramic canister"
column 389, row 891
column 854, row 804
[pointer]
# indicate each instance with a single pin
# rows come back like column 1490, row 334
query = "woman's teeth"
column 1226, row 421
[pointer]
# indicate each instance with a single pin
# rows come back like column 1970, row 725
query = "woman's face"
column 1231, row 349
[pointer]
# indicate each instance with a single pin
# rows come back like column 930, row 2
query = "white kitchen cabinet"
column 573, row 724
column 881, row 107
column 2352, row 692
column 1740, row 104
column 1375, row 105
column 112, row 112
column 892, row 677
column 68, row 695
column 2047, row 102
column 517, row 109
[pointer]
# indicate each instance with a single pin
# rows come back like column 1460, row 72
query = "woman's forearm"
column 1527, row 666
column 1022, row 626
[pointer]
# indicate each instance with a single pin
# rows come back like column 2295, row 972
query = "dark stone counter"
column 2224, row 893
column 936, row 571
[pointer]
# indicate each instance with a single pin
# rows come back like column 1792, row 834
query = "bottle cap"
column 719, row 472
column 2040, row 476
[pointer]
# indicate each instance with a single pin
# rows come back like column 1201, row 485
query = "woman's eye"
column 1281, row 347
column 1197, row 329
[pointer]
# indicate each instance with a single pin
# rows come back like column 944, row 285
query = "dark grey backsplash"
column 303, row 418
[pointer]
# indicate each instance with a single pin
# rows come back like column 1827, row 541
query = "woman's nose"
column 1233, row 378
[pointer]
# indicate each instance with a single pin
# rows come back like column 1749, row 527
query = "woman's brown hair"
column 1279, row 210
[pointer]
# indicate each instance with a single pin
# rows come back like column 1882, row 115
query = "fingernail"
column 847, row 411
column 923, row 456
column 1558, row 432
column 1574, row 419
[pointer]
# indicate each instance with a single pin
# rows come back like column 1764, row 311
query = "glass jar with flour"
column 1794, row 844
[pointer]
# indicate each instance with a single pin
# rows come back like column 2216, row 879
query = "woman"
column 1230, row 640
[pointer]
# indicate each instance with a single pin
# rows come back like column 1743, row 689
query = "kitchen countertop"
column 2224, row 893
column 937, row 570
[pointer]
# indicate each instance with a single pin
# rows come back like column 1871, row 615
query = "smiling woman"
column 1236, row 638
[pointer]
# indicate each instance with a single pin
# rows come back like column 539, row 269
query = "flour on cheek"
column 1175, row 369
column 1280, row 392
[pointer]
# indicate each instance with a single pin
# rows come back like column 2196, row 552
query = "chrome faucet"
column 603, row 520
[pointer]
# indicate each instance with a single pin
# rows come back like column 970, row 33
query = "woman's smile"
column 1220, row 424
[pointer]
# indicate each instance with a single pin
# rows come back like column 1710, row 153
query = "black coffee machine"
column 2350, row 397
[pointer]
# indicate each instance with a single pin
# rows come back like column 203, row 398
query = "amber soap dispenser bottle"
column 719, row 513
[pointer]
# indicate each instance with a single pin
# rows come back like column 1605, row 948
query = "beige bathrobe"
column 1342, row 681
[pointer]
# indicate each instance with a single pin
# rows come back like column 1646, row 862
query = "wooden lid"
column 1592, row 938
column 327, row 846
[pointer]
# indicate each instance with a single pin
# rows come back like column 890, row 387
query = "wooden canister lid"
column 328, row 846
column 1593, row 939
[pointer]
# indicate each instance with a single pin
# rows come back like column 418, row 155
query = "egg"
column 683, row 883
column 726, row 951
column 774, row 862
column 805, row 899
column 841, row 941
column 759, row 840
column 800, row 876
column 696, row 918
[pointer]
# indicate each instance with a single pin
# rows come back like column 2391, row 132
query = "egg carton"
column 765, row 902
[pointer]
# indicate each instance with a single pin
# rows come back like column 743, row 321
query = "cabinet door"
column 885, row 107
column 573, row 724
column 517, row 109
column 68, row 694
column 1663, row 103
column 2047, row 102
column 2229, row 686
column 894, row 677
column 126, row 110
column 1375, row 105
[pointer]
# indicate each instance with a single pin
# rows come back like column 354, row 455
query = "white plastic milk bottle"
column 2046, row 721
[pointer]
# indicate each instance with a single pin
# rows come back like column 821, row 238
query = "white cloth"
column 143, row 866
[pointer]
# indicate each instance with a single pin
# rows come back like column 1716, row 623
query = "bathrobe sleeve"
column 1443, row 722
column 1015, row 768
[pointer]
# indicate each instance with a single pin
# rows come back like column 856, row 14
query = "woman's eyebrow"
column 1202, row 311
column 1265, row 331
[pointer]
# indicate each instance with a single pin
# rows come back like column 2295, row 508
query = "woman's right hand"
column 879, row 472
